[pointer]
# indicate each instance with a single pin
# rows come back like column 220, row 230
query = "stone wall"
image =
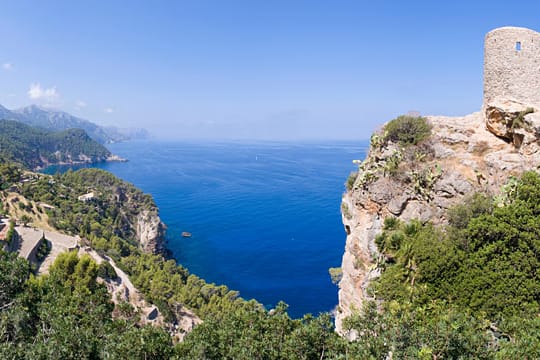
column 512, row 66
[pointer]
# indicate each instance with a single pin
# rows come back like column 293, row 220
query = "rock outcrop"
column 514, row 121
column 463, row 155
column 150, row 232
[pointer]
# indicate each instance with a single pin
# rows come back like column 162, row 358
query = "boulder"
column 508, row 119
column 397, row 204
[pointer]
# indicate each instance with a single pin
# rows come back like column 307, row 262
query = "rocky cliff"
column 463, row 155
column 150, row 232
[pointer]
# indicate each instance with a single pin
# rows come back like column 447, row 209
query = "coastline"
column 191, row 197
column 109, row 159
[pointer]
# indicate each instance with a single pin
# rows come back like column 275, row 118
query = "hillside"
column 54, row 120
column 38, row 148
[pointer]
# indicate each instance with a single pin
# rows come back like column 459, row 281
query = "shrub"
column 11, row 232
column 519, row 120
column 44, row 249
column 106, row 271
column 350, row 180
column 335, row 274
column 407, row 130
column 345, row 211
column 460, row 215
column 391, row 223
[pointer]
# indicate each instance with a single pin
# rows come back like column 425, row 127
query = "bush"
column 11, row 232
column 407, row 130
column 460, row 215
column 335, row 274
column 345, row 211
column 391, row 223
column 480, row 148
column 106, row 271
column 519, row 120
column 485, row 261
column 350, row 180
column 44, row 249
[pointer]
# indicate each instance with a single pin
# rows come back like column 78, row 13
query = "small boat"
column 186, row 234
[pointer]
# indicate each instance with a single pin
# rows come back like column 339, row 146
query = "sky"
column 252, row 69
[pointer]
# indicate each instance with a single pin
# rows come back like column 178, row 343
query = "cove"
column 264, row 216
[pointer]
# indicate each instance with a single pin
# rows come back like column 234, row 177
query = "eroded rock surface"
column 150, row 232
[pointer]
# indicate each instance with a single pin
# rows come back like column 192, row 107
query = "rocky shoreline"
column 82, row 161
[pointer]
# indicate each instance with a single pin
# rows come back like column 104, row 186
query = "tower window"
column 518, row 46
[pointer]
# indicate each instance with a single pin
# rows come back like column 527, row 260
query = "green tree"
column 14, row 272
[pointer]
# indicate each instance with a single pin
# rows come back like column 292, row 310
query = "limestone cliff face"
column 462, row 156
column 141, row 219
column 150, row 232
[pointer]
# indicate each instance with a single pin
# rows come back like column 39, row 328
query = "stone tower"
column 512, row 66
column 512, row 86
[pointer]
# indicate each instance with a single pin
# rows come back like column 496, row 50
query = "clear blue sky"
column 250, row 69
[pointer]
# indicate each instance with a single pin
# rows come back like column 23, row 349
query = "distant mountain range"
column 54, row 120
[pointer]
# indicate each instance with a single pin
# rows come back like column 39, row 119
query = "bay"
column 264, row 216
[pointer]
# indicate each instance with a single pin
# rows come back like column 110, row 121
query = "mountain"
column 36, row 147
column 5, row 113
column 124, row 134
column 55, row 120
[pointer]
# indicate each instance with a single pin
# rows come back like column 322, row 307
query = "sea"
column 264, row 217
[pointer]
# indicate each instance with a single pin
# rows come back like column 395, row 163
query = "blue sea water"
column 264, row 216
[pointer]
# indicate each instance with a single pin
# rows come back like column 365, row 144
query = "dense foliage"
column 434, row 331
column 9, row 174
column 486, row 260
column 255, row 334
column 407, row 130
column 108, row 220
column 36, row 147
column 67, row 315
column 486, row 263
